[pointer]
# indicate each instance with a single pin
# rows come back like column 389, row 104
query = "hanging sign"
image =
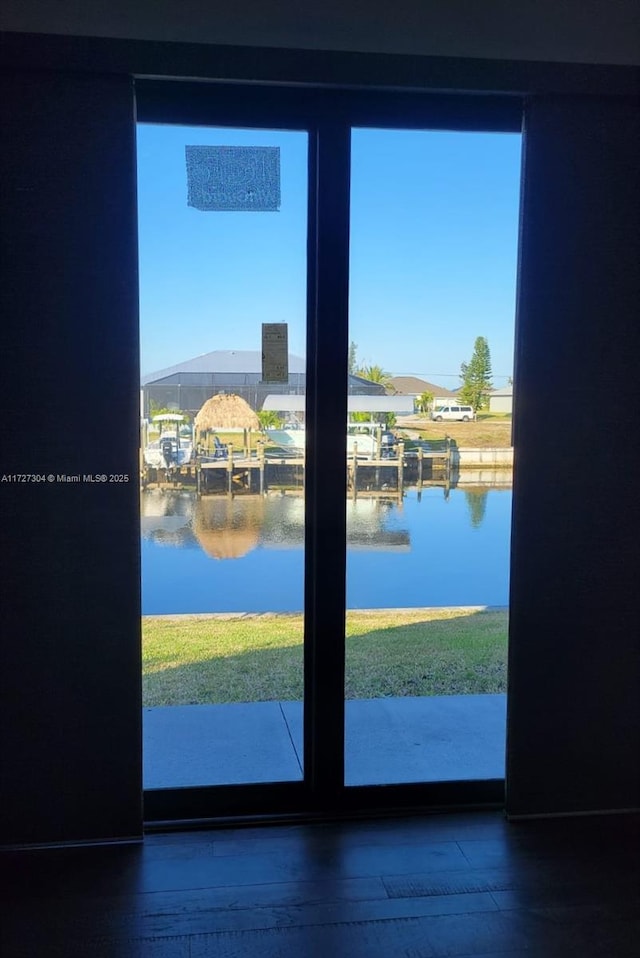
column 275, row 353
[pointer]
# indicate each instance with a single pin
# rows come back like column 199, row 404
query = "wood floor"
column 462, row 884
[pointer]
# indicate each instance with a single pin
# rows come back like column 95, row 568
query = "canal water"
column 246, row 554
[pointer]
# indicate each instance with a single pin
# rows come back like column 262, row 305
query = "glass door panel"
column 223, row 274
column 434, row 220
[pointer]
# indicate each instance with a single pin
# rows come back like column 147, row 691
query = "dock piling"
column 355, row 471
column 261, row 465
column 230, row 468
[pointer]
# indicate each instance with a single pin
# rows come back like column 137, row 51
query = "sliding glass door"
column 223, row 297
column 434, row 225
column 291, row 267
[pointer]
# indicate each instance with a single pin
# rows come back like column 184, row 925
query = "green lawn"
column 205, row 660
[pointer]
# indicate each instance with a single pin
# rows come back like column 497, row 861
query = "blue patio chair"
column 220, row 450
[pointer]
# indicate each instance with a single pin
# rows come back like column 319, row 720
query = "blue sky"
column 434, row 222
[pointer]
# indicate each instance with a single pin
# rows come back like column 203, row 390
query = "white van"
column 453, row 413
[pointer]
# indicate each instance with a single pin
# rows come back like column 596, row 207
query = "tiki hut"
column 225, row 412
column 228, row 528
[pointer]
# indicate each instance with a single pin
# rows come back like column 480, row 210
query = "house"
column 188, row 385
column 501, row 400
column 414, row 386
column 70, row 709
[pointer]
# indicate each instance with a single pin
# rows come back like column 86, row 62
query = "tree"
column 477, row 503
column 353, row 362
column 375, row 374
column 269, row 419
column 476, row 376
column 424, row 401
column 386, row 419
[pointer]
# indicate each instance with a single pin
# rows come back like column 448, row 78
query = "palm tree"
column 424, row 401
column 375, row 374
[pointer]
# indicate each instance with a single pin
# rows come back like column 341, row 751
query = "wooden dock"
column 260, row 471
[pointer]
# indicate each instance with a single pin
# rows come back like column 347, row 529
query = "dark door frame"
column 328, row 117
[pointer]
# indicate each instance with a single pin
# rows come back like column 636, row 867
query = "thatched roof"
column 226, row 529
column 226, row 412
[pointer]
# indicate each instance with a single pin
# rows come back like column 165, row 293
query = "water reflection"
column 432, row 550
column 229, row 528
column 477, row 505
column 166, row 518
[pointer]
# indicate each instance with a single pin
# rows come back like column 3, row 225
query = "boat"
column 366, row 440
column 173, row 447
column 290, row 438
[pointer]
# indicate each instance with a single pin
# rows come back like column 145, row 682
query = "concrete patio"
column 388, row 740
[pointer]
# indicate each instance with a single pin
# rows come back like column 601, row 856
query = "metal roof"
column 504, row 391
column 223, row 361
column 397, row 404
column 380, row 404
